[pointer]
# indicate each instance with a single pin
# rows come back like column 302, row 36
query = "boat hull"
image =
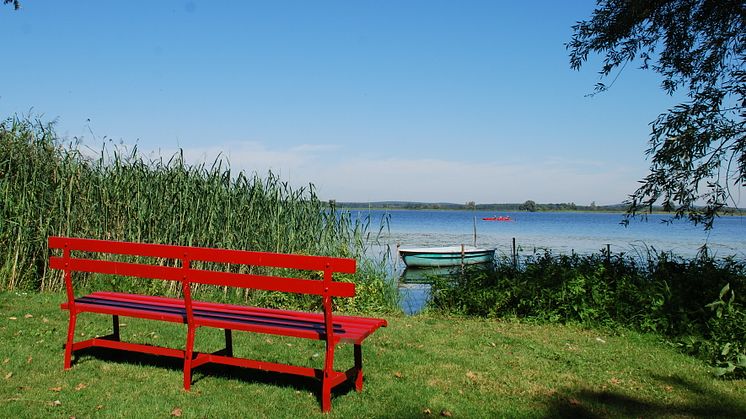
column 446, row 256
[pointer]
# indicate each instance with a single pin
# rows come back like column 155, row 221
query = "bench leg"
column 326, row 381
column 70, row 339
column 188, row 358
column 228, row 342
column 358, row 368
column 115, row 327
column 326, row 395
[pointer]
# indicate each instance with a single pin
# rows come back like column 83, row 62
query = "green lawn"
column 418, row 366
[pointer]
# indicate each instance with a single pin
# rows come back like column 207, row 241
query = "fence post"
column 515, row 254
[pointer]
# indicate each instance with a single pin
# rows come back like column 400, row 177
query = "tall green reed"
column 50, row 188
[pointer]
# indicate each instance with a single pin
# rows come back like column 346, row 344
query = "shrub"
column 663, row 294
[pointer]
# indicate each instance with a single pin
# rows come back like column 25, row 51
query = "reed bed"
column 52, row 188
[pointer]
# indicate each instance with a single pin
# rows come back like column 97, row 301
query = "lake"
column 560, row 232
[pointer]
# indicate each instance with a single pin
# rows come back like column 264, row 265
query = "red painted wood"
column 324, row 326
column 202, row 358
column 351, row 324
column 188, row 357
column 68, row 279
column 274, row 321
column 229, row 308
column 186, row 290
column 263, row 282
column 273, row 283
column 70, row 340
column 118, row 268
column 277, row 260
column 141, row 314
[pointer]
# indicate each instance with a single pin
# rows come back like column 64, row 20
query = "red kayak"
column 500, row 218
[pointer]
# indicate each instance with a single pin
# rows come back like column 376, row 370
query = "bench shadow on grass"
column 702, row 402
column 247, row 375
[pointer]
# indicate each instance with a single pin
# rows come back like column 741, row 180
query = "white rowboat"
column 446, row 256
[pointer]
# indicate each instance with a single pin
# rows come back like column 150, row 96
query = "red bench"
column 175, row 264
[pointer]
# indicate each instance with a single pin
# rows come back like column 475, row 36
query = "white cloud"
column 453, row 181
column 252, row 156
column 344, row 177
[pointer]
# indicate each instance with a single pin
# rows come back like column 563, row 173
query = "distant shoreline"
column 345, row 207
column 528, row 206
column 507, row 207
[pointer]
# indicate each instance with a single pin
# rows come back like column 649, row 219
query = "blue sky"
column 438, row 101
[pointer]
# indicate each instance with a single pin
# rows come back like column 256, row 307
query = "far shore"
column 508, row 207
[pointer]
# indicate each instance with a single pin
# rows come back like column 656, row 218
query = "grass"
column 418, row 366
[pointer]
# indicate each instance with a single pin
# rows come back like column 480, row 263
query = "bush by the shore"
column 696, row 304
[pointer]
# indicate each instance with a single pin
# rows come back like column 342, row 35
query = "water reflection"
column 415, row 284
column 427, row 275
column 414, row 297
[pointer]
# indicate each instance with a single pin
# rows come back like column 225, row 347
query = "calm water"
column 560, row 232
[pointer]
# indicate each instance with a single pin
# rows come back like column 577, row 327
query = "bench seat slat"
column 351, row 321
column 263, row 320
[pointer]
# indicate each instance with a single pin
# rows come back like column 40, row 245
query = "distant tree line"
column 527, row 206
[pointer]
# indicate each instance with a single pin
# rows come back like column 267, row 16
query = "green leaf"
column 724, row 290
column 726, row 349
column 741, row 361
column 713, row 305
column 721, row 371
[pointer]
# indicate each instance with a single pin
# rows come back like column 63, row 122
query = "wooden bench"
column 174, row 263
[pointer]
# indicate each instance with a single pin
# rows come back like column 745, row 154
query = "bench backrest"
column 186, row 255
column 88, row 257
